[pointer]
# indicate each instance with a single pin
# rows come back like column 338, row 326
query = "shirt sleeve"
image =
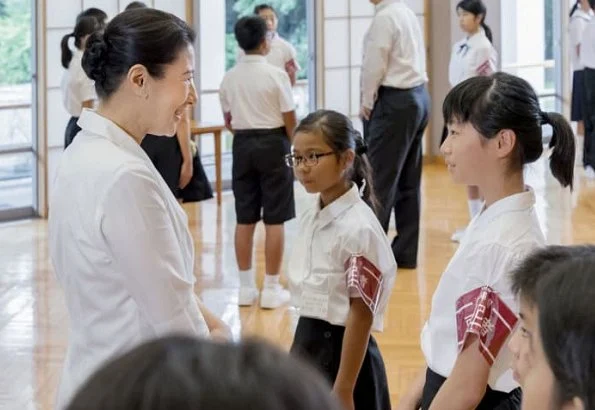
column 286, row 102
column 86, row 86
column 292, row 56
column 377, row 48
column 577, row 27
column 370, row 267
column 483, row 63
column 138, row 230
column 223, row 97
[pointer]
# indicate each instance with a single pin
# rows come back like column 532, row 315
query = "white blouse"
column 76, row 86
column 341, row 252
column 471, row 57
column 577, row 25
column 494, row 243
column 121, row 249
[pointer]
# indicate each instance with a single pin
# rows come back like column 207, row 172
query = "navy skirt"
column 578, row 86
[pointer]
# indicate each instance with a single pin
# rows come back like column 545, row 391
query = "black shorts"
column 262, row 183
column 166, row 155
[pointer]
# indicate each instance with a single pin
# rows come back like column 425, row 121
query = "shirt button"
column 327, row 335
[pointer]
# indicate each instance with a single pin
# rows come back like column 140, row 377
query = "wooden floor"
column 33, row 320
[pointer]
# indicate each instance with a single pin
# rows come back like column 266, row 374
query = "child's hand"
column 345, row 396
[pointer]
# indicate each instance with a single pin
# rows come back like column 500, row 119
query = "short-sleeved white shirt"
column 345, row 230
column 256, row 94
column 577, row 25
column 494, row 243
column 471, row 57
column 76, row 86
column 587, row 57
column 121, row 249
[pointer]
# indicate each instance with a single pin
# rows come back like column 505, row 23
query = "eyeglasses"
column 309, row 160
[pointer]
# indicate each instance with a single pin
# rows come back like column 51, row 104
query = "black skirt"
column 578, row 86
column 320, row 343
column 72, row 129
column 492, row 400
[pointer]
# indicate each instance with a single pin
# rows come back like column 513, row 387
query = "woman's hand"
column 186, row 173
column 345, row 396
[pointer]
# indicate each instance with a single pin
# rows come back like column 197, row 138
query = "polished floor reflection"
column 33, row 319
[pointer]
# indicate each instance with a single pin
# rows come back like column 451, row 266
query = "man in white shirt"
column 258, row 107
column 395, row 110
column 587, row 59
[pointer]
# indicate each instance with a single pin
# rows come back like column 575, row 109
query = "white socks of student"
column 271, row 281
column 247, row 279
column 474, row 207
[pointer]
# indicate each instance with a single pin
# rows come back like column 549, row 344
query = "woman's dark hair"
column 99, row 15
column 567, row 328
column 183, row 373
column 538, row 264
column 149, row 37
column 136, row 5
column 250, row 32
column 84, row 27
column 477, row 8
column 264, row 6
column 339, row 134
column 503, row 101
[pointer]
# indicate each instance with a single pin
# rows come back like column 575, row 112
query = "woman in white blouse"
column 495, row 128
column 119, row 240
column 472, row 56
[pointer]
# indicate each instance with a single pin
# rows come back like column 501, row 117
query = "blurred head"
column 472, row 15
column 85, row 26
column 558, row 335
column 329, row 154
column 268, row 14
column 136, row 5
column 99, row 15
column 495, row 128
column 251, row 35
column 146, row 58
column 183, row 373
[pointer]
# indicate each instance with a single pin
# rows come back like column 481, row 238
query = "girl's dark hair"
column 477, row 8
column 567, row 325
column 135, row 5
column 578, row 4
column 264, row 6
column 149, row 37
column 503, row 101
column 184, row 373
column 339, row 134
column 85, row 26
column 99, row 14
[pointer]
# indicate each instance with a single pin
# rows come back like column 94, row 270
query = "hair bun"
column 95, row 57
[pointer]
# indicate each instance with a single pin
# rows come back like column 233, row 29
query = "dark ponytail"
column 503, row 101
column 575, row 7
column 477, row 8
column 338, row 132
column 563, row 144
column 85, row 26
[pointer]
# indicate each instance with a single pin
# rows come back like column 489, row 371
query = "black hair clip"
column 360, row 146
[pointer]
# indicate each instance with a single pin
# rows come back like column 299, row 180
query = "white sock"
column 474, row 207
column 270, row 280
column 247, row 279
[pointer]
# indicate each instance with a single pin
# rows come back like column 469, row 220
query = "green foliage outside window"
column 292, row 27
column 15, row 42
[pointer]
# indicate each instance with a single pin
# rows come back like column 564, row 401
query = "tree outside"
column 292, row 27
column 15, row 42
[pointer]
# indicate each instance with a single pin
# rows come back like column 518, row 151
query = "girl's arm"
column 355, row 344
column 183, row 136
column 465, row 387
column 412, row 399
column 218, row 328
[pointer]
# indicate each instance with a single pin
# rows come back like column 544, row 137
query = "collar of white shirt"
column 96, row 124
column 476, row 37
column 385, row 3
column 254, row 58
column 512, row 203
column 333, row 210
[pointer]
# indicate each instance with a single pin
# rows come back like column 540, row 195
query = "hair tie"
column 360, row 145
column 544, row 118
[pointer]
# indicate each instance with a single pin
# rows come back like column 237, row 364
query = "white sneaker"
column 274, row 297
column 458, row 235
column 247, row 296
column 589, row 172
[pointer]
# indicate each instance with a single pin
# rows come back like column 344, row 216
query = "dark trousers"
column 589, row 117
column 394, row 136
column 492, row 400
column 71, row 130
column 320, row 344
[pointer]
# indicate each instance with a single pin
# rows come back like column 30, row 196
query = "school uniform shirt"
column 471, row 57
column 256, row 94
column 476, row 282
column 341, row 252
column 587, row 57
column 76, row 86
column 121, row 249
column 394, row 53
column 578, row 23
column 281, row 53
